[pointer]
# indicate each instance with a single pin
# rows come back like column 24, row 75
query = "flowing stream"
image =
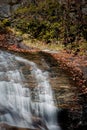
column 19, row 106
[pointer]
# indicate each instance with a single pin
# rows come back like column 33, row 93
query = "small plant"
column 3, row 24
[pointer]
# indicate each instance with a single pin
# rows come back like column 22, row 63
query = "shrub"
column 3, row 24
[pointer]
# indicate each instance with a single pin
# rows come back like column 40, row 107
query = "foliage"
column 48, row 21
column 3, row 24
column 39, row 20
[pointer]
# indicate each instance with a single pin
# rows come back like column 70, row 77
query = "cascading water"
column 16, row 105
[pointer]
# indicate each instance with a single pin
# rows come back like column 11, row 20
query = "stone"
column 7, row 7
column 5, row 11
column 15, row 7
column 19, row 39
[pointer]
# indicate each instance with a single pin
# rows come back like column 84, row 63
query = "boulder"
column 5, row 11
column 7, row 6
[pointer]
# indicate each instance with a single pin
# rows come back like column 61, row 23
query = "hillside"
column 48, row 21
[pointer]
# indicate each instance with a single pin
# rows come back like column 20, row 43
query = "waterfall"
column 16, row 105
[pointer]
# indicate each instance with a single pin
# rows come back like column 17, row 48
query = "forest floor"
column 74, row 64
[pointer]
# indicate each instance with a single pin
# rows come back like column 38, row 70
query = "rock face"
column 7, row 6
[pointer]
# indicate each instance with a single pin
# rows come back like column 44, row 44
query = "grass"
column 34, row 43
column 41, row 45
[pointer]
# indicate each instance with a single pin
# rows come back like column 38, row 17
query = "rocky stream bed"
column 67, row 78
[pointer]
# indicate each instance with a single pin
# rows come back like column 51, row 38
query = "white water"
column 16, row 106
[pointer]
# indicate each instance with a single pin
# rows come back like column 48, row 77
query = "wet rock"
column 38, row 122
column 63, row 119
